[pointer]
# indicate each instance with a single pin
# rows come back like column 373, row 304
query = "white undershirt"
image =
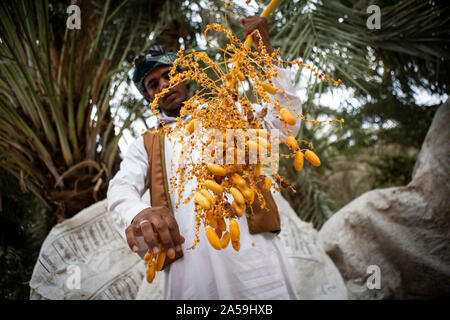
column 260, row 270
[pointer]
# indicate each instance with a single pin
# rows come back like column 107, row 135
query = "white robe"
column 259, row 270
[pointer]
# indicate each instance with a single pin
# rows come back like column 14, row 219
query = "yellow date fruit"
column 236, row 245
column 292, row 143
column 287, row 116
column 213, row 238
column 148, row 256
column 267, row 184
column 216, row 169
column 150, row 272
column 234, row 230
column 160, row 258
column 237, row 195
column 298, row 160
column 312, row 157
column 248, row 193
column 201, row 200
column 238, row 209
column 268, row 87
column 213, row 186
column 237, row 180
column 225, row 240
column 208, row 196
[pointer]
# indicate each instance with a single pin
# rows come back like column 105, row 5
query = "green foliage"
column 56, row 86
column 24, row 224
column 393, row 170
column 384, row 131
column 59, row 126
column 413, row 41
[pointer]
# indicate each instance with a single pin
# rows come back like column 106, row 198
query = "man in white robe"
column 260, row 269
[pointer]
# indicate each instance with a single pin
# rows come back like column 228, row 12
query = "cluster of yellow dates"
column 222, row 90
column 292, row 143
column 154, row 263
column 216, row 227
column 234, row 184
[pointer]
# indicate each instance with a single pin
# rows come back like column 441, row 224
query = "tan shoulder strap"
column 157, row 177
column 155, row 171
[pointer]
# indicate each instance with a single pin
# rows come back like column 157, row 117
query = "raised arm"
column 290, row 99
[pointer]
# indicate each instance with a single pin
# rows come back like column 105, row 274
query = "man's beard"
column 175, row 112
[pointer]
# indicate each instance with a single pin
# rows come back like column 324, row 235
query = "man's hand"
column 156, row 225
column 253, row 23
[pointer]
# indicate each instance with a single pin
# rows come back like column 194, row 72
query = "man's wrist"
column 135, row 210
column 269, row 49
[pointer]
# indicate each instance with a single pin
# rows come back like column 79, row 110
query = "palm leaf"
column 56, row 86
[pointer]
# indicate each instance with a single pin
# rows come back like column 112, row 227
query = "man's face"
column 158, row 79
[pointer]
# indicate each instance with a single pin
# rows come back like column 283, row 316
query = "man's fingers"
column 149, row 236
column 137, row 229
column 158, row 227
column 254, row 22
column 174, row 232
column 257, row 28
column 131, row 239
column 165, row 237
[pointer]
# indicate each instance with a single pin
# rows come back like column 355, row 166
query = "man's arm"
column 128, row 185
column 282, row 82
column 290, row 100
column 132, row 215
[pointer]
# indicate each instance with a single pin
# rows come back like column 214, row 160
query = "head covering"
column 150, row 63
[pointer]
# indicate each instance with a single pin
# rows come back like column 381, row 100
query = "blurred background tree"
column 58, row 131
column 66, row 100
column 25, row 223
column 384, row 69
